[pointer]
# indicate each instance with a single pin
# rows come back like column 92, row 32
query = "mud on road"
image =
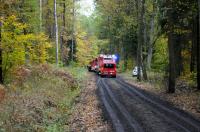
column 133, row 110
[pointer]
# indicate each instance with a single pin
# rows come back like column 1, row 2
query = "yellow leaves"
column 160, row 57
column 19, row 48
column 181, row 31
column 11, row 24
column 86, row 48
column 37, row 48
column 13, row 49
column 1, row 19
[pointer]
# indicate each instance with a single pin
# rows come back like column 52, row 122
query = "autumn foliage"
column 21, row 48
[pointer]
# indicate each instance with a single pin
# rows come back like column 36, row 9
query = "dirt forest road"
column 133, row 110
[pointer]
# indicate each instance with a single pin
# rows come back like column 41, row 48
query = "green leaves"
column 160, row 57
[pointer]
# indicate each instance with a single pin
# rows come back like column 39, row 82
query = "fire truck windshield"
column 107, row 58
column 109, row 65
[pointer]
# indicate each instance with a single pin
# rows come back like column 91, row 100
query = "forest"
column 156, row 35
column 46, row 43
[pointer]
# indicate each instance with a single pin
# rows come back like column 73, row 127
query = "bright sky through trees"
column 86, row 7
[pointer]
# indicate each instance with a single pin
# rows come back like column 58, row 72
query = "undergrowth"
column 40, row 98
column 159, row 80
column 154, row 78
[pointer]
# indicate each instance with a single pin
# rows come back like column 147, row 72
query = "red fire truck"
column 94, row 65
column 106, row 66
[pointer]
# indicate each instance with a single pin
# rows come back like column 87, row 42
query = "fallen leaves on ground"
column 40, row 101
column 87, row 115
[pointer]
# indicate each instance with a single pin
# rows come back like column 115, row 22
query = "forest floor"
column 40, row 98
column 88, row 115
column 47, row 98
column 185, row 98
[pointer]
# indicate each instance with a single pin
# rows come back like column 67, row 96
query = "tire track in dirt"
column 127, row 123
column 136, row 111
column 181, row 119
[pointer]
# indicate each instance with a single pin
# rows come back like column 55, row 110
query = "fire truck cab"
column 106, row 66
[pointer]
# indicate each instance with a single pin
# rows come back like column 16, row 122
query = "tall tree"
column 63, row 33
column 40, row 15
column 140, row 36
column 198, row 48
column 144, row 42
column 152, row 31
column 56, row 30
column 171, row 40
column 1, row 64
column 73, row 33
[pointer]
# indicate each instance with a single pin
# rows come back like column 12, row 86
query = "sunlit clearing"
column 86, row 7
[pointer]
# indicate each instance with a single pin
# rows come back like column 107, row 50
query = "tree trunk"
column 64, row 11
column 150, row 46
column 198, row 49
column 1, row 64
column 194, row 43
column 140, row 37
column 122, row 52
column 56, row 30
column 144, row 42
column 177, row 45
column 62, row 34
column 144, row 71
column 40, row 15
column 152, row 31
column 172, row 69
column 73, row 30
column 171, row 51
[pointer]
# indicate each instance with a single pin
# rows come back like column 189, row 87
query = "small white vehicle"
column 135, row 71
